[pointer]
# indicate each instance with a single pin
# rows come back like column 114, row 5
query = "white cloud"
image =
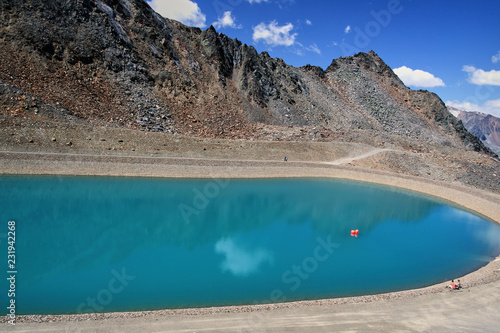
column 490, row 107
column 227, row 20
column 185, row 11
column 308, row 22
column 495, row 58
column 481, row 77
column 274, row 35
column 240, row 261
column 347, row 29
column 257, row 1
column 298, row 50
column 418, row 78
column 314, row 48
column 463, row 106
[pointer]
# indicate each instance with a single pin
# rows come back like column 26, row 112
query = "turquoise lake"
column 105, row 244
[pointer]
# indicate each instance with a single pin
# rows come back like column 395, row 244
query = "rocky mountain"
column 484, row 126
column 119, row 63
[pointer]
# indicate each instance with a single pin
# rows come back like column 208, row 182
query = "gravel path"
column 349, row 159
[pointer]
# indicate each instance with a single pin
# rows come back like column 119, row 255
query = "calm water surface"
column 97, row 244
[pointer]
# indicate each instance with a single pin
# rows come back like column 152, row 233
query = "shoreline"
column 485, row 204
column 488, row 274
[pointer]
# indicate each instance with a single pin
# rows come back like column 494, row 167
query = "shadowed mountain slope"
column 119, row 63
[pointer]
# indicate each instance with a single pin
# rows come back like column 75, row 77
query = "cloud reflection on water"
column 241, row 261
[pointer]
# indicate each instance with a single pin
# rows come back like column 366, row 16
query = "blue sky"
column 450, row 47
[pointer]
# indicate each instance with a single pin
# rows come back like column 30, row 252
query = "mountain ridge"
column 484, row 126
column 119, row 63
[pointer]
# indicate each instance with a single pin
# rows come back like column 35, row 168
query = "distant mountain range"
column 119, row 63
column 485, row 126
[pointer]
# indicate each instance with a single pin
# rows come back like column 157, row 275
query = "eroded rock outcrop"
column 118, row 62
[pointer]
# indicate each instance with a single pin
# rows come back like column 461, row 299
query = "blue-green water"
column 94, row 244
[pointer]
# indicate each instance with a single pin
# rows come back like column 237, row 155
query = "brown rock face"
column 117, row 62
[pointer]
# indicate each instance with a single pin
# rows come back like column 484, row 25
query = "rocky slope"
column 484, row 126
column 118, row 63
